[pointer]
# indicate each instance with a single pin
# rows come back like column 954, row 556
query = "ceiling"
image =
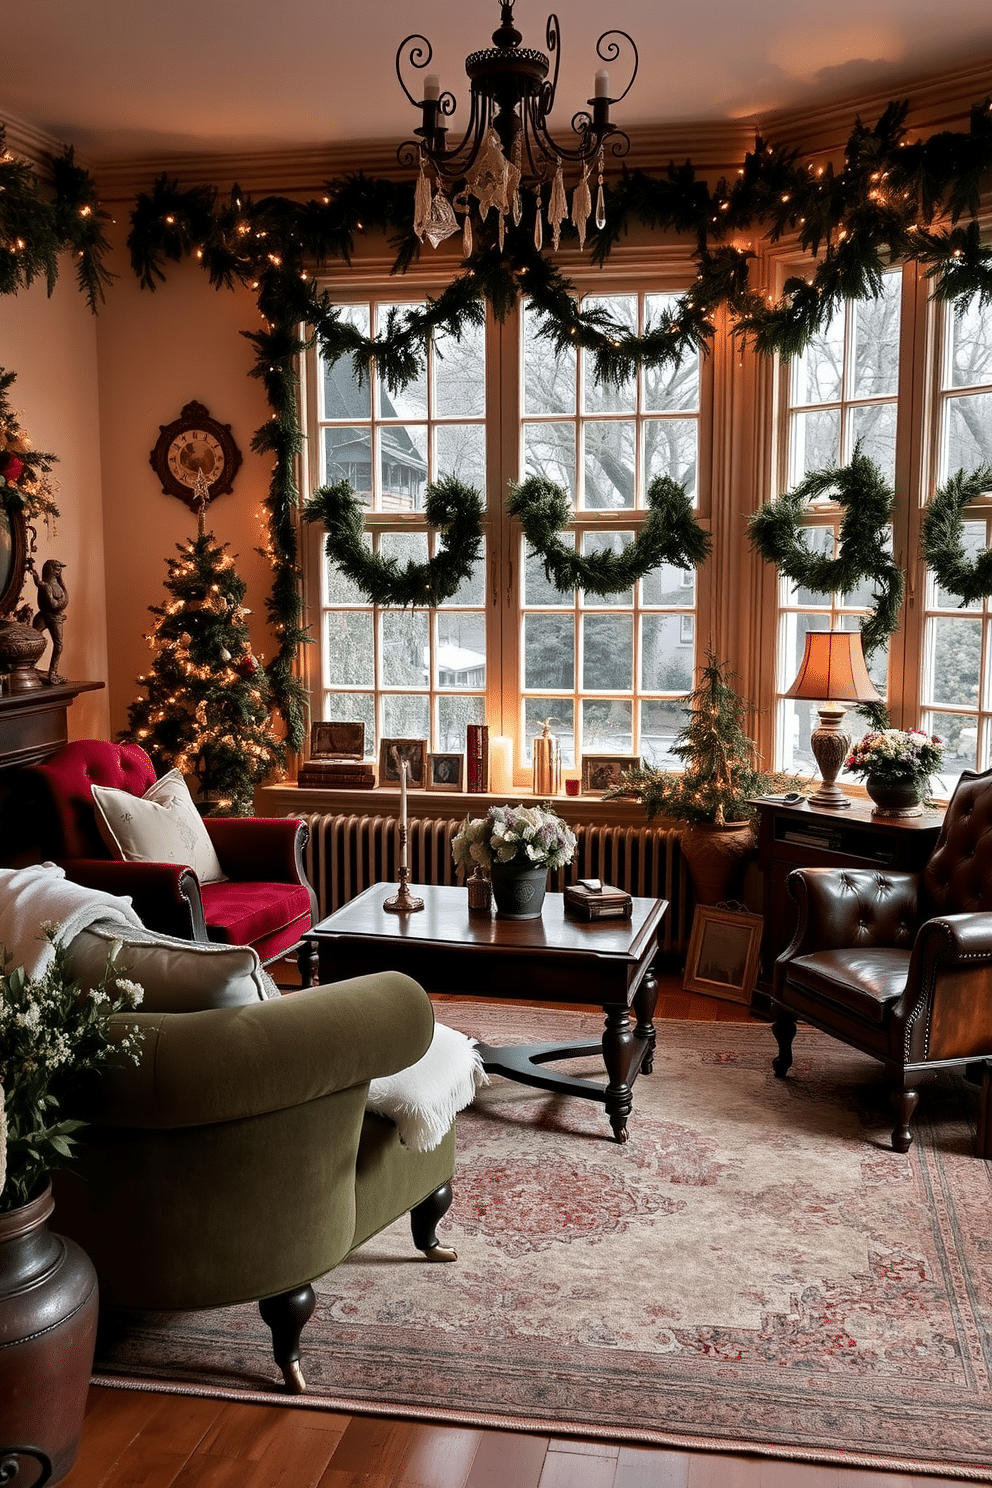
column 130, row 79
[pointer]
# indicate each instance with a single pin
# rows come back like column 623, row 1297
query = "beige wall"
column 157, row 351
column 52, row 346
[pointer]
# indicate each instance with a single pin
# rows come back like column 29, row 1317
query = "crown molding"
column 31, row 144
column 715, row 147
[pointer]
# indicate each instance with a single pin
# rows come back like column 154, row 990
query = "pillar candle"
column 602, row 87
column 404, row 766
column 501, row 765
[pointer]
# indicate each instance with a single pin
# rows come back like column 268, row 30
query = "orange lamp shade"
column 833, row 668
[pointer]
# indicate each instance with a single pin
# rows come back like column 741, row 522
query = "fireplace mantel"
column 33, row 724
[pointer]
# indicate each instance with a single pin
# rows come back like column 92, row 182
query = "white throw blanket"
column 41, row 894
column 424, row 1099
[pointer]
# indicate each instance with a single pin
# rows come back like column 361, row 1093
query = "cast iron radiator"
column 347, row 854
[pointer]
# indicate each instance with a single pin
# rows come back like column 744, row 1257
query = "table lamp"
column 833, row 671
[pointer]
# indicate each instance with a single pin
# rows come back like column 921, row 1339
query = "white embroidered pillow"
column 162, row 826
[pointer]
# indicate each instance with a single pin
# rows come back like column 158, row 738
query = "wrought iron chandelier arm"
column 416, row 52
column 459, row 160
column 552, row 40
column 611, row 53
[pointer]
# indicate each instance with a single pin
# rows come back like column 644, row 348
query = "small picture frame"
column 723, row 953
column 445, row 772
column 601, row 771
column 337, row 740
column 393, row 751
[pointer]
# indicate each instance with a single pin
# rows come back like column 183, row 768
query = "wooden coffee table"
column 605, row 963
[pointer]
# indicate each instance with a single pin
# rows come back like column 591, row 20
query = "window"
column 500, row 405
column 842, row 392
column 956, row 660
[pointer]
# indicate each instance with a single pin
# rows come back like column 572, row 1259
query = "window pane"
column 875, row 426
column 969, row 433
column 959, row 732
column 403, row 466
column 454, row 713
column 606, row 727
column 348, row 456
column 353, row 707
column 660, row 722
column 606, row 542
column 604, row 397
column 818, row 371
column 610, row 470
column 340, row 589
column 473, row 590
column 875, row 330
column 549, row 376
column 969, row 336
column 411, row 403
column 549, row 651
column 349, row 657
column 973, row 540
column 343, row 397
column 671, row 448
column 405, row 547
column 667, row 652
column 404, row 649
column 405, row 716
column 538, row 588
column 461, row 452
column 815, row 442
column 561, row 711
column 460, row 373
column 669, row 585
column 461, row 650
column 954, row 649
column 608, row 653
column 549, row 450
column 818, row 540
column 669, row 389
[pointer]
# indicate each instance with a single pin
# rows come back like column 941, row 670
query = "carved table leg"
column 306, row 961
column 904, row 1103
column 645, row 999
column 423, row 1224
column 287, row 1315
column 618, row 1056
column 784, row 1029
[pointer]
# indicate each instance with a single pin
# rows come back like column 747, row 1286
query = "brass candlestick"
column 403, row 902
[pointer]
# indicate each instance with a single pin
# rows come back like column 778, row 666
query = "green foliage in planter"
column 721, row 774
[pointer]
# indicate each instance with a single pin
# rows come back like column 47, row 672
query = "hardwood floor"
column 137, row 1439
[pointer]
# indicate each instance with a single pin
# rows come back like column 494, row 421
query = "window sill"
column 293, row 800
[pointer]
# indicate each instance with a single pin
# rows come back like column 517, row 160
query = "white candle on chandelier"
column 432, row 87
column 602, row 89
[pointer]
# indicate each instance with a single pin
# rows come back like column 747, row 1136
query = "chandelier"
column 506, row 149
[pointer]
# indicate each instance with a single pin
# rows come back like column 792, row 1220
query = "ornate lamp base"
column 403, row 902
column 830, row 745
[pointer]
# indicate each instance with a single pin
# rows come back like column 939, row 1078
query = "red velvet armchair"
column 265, row 901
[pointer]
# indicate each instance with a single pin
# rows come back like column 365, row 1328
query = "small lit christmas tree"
column 207, row 708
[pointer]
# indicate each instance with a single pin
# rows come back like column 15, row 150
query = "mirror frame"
column 10, row 594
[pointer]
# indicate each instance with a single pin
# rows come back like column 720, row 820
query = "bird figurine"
column 52, row 600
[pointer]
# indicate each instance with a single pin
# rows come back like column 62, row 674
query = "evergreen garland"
column 451, row 506
column 941, row 537
column 891, row 200
column 670, row 534
column 867, row 499
column 35, row 228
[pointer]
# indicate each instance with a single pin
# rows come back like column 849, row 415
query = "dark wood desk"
column 605, row 963
column 805, row 836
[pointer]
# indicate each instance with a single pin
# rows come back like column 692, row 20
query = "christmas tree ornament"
column 547, row 761
column 248, row 665
column 225, row 655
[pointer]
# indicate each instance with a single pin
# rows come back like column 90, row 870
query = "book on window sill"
column 338, row 767
column 324, row 781
column 477, row 758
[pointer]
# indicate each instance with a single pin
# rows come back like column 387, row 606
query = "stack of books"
column 337, row 758
column 477, row 758
column 590, row 899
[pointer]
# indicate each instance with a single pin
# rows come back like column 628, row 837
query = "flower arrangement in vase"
column 516, row 845
column 897, row 765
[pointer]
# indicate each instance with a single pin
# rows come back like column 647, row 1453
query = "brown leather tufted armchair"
column 899, row 965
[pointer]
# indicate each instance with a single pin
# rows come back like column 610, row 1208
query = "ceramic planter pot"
column 894, row 798
column 518, row 892
column 716, row 855
column 48, row 1316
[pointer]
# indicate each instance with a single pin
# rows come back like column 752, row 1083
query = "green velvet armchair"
column 236, row 1162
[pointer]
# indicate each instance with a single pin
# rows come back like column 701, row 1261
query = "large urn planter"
column 48, row 1317
column 894, row 798
column 518, row 891
column 716, row 854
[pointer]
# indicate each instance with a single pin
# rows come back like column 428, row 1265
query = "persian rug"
column 755, row 1270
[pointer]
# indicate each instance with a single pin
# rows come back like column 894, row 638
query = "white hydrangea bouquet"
column 51, row 1031
column 530, row 835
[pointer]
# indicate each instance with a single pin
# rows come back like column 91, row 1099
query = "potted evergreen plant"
column 712, row 794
